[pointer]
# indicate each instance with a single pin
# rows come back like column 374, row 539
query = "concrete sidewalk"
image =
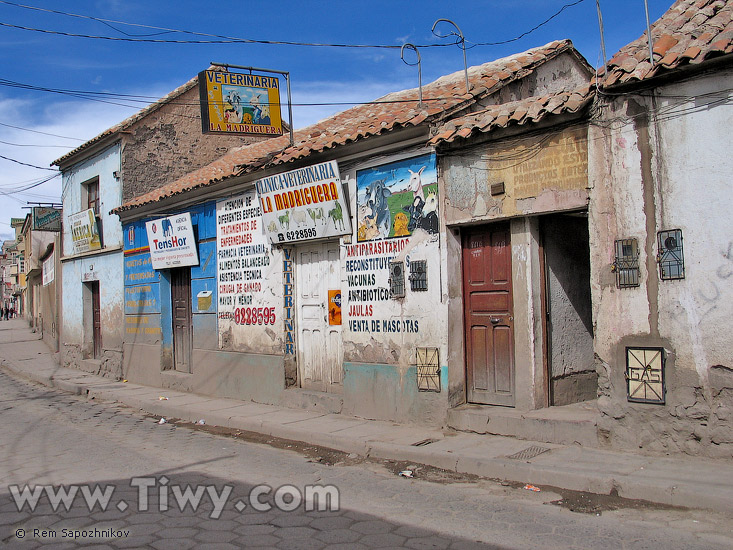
column 682, row 481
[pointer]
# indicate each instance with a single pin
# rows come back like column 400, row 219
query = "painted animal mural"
column 285, row 220
column 376, row 199
column 415, row 183
column 317, row 214
column 337, row 215
column 397, row 198
column 400, row 225
column 299, row 217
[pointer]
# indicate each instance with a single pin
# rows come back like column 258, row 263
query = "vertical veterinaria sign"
column 304, row 204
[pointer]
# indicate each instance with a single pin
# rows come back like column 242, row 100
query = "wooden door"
column 319, row 343
column 181, row 300
column 96, row 320
column 489, row 324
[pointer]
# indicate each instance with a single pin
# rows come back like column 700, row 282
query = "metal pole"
column 649, row 33
column 463, row 45
column 419, row 69
column 600, row 26
column 290, row 110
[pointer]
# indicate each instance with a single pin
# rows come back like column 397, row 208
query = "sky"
column 71, row 69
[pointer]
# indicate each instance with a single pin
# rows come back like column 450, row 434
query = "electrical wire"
column 39, row 132
column 525, row 33
column 26, row 164
column 223, row 39
column 31, row 145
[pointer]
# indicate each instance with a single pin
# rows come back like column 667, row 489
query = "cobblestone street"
column 52, row 438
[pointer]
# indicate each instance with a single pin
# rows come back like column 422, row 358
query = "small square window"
column 671, row 257
column 397, row 279
column 626, row 264
column 419, row 275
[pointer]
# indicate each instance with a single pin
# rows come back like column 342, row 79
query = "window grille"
column 626, row 265
column 397, row 279
column 428, row 369
column 671, row 258
column 419, row 275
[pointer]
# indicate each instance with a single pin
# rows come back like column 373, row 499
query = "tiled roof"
column 128, row 121
column 690, row 32
column 393, row 111
column 523, row 111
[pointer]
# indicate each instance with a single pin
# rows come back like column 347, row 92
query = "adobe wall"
column 649, row 174
column 168, row 144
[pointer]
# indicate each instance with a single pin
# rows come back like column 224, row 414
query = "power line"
column 31, row 145
column 26, row 164
column 39, row 132
column 223, row 39
column 525, row 33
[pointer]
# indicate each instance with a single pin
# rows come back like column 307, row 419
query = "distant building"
column 129, row 159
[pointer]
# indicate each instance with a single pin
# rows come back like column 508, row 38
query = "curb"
column 632, row 485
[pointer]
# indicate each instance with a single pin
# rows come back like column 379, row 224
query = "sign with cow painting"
column 236, row 103
column 397, row 199
column 304, row 204
column 171, row 242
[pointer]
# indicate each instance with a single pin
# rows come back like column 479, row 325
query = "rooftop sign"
column 236, row 103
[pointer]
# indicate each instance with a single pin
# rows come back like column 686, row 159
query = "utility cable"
column 223, row 39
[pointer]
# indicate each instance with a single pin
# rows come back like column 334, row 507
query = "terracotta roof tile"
column 524, row 111
column 393, row 111
column 691, row 31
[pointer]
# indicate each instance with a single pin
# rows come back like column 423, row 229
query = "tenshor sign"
column 236, row 103
column 304, row 204
column 171, row 242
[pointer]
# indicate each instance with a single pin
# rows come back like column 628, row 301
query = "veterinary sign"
column 304, row 204
column 243, row 263
column 84, row 232
column 171, row 242
column 236, row 103
column 395, row 199
column 46, row 219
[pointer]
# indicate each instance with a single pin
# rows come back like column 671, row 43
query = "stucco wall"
column 104, row 266
column 168, row 144
column 658, row 173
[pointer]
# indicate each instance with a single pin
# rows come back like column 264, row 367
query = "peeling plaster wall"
column 563, row 73
column 650, row 175
column 104, row 266
column 168, row 143
column 541, row 174
column 381, row 337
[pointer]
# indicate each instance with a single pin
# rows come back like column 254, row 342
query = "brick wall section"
column 168, row 143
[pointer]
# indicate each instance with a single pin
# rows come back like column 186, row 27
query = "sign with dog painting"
column 236, row 103
column 304, row 204
column 171, row 242
column 397, row 199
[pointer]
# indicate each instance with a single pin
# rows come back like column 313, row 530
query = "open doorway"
column 571, row 373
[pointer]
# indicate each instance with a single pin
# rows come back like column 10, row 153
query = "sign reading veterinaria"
column 304, row 204
column 236, row 103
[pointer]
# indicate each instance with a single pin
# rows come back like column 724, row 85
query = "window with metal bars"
column 626, row 264
column 419, row 275
column 671, row 258
column 397, row 279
